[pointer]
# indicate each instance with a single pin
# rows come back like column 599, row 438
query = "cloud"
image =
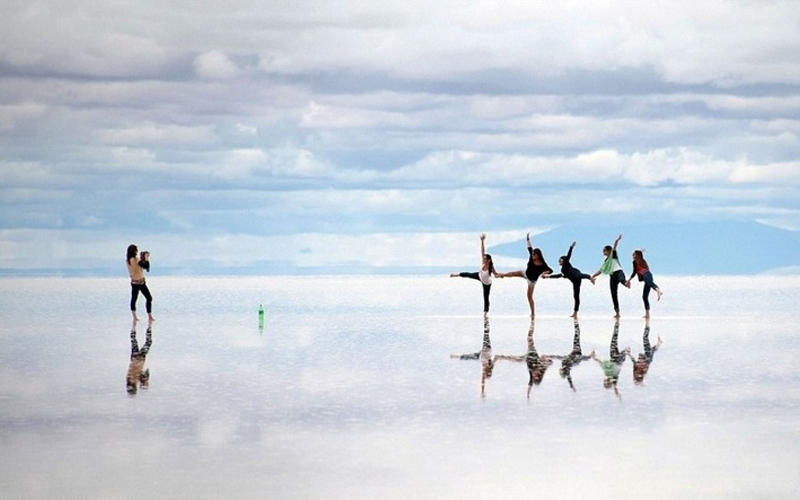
column 677, row 165
column 15, row 115
column 215, row 65
column 153, row 133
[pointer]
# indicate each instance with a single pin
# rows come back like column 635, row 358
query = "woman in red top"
column 642, row 271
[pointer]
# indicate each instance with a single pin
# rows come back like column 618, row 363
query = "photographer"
column 136, row 269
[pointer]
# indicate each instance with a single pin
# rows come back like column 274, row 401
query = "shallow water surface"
column 356, row 388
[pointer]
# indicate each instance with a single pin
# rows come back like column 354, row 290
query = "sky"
column 290, row 136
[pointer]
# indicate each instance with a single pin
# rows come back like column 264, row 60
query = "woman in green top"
column 612, row 366
column 613, row 269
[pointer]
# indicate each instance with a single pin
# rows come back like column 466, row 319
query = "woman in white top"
column 136, row 269
column 613, row 269
column 484, row 275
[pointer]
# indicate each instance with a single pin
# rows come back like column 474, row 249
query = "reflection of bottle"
column 260, row 316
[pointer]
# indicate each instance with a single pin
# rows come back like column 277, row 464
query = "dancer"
column 642, row 271
column 613, row 365
column 574, row 275
column 137, row 373
column 537, row 365
column 484, row 275
column 484, row 355
column 136, row 269
column 642, row 364
column 613, row 268
column 536, row 267
column 574, row 358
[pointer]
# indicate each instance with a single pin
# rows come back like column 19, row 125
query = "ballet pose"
column 484, row 355
column 537, row 365
column 484, row 275
column 536, row 267
column 613, row 269
column 612, row 366
column 136, row 269
column 641, row 364
column 574, row 358
column 642, row 271
column 574, row 275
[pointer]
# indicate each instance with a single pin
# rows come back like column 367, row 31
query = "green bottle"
column 260, row 316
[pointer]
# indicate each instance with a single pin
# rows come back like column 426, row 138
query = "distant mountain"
column 679, row 249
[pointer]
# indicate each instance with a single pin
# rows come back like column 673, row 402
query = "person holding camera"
column 136, row 269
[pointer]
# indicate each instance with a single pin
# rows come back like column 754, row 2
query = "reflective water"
column 356, row 388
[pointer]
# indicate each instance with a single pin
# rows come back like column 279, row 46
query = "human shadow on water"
column 537, row 365
column 612, row 366
column 484, row 355
column 574, row 358
column 137, row 373
column 641, row 365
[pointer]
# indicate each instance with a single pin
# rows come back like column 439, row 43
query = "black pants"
column 576, row 276
column 614, row 280
column 613, row 348
column 486, row 288
column 135, row 289
column 648, row 285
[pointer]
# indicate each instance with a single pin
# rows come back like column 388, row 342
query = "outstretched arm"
column 633, row 273
column 507, row 357
column 483, row 246
column 616, row 242
column 569, row 252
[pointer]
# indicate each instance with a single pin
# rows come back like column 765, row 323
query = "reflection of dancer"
column 484, row 275
column 642, row 271
column 642, row 364
column 537, row 365
column 536, row 267
column 484, row 355
column 574, row 275
column 136, row 269
column 613, row 269
column 137, row 373
column 574, row 358
column 613, row 365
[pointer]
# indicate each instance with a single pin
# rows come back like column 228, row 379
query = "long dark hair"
column 132, row 251
column 491, row 263
column 611, row 250
column 538, row 253
column 638, row 257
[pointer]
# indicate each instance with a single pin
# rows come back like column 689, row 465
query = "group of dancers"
column 537, row 268
column 537, row 364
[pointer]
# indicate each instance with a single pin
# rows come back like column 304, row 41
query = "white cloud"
column 215, row 65
column 678, row 165
column 13, row 115
column 155, row 133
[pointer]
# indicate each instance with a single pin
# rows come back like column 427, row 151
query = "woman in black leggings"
column 613, row 269
column 136, row 269
column 484, row 275
column 574, row 275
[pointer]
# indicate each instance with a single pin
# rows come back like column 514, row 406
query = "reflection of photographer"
column 137, row 373
column 136, row 269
